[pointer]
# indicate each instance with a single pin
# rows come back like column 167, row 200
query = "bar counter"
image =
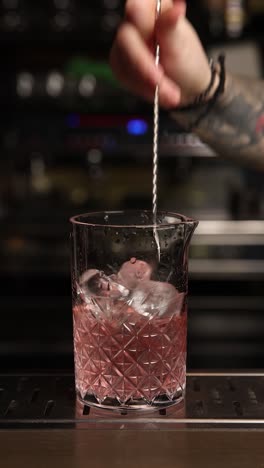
column 148, row 449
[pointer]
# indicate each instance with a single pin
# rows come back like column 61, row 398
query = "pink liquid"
column 129, row 359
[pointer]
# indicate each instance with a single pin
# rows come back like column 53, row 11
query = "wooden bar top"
column 82, row 448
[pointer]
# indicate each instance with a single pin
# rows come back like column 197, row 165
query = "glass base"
column 161, row 402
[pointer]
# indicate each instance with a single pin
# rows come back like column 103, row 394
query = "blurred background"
column 71, row 140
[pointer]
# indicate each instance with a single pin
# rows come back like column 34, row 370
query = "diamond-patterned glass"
column 138, row 359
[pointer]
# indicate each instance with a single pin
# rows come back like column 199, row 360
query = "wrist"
column 211, row 87
column 206, row 90
column 192, row 114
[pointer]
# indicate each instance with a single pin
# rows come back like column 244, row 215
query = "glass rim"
column 185, row 220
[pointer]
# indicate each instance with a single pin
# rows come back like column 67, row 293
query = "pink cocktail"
column 131, row 360
column 130, row 286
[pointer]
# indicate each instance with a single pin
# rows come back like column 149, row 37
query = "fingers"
column 171, row 15
column 142, row 14
column 132, row 61
column 134, row 65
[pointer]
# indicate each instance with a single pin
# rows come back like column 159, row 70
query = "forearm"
column 234, row 127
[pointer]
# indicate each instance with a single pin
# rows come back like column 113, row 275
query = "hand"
column 183, row 72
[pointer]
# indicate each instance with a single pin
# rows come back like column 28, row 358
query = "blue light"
column 137, row 127
column 73, row 120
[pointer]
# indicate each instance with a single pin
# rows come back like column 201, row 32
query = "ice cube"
column 94, row 283
column 154, row 298
column 134, row 271
column 104, row 297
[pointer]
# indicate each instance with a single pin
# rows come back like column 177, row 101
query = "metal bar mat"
column 212, row 400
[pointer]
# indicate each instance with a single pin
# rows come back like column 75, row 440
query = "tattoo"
column 260, row 125
column 234, row 127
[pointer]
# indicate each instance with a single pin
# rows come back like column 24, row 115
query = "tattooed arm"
column 234, row 127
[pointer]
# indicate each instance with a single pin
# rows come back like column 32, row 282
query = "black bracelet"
column 208, row 105
column 199, row 99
